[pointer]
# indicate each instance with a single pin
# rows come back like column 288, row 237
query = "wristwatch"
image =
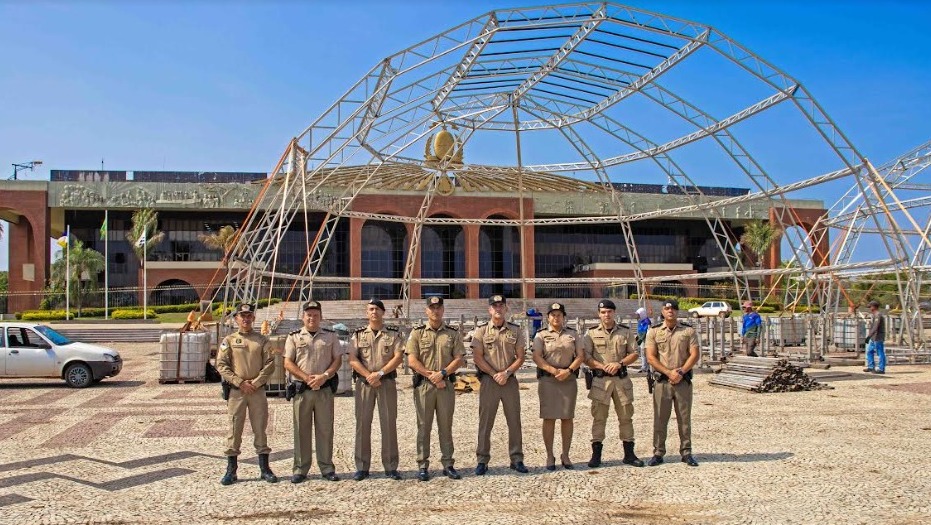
column 443, row 372
column 326, row 374
column 381, row 373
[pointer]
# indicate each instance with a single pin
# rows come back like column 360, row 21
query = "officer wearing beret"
column 374, row 355
column 558, row 353
column 246, row 362
column 312, row 355
column 609, row 349
column 434, row 353
column 498, row 350
column 672, row 350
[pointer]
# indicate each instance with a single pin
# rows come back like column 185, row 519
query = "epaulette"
column 294, row 332
column 359, row 330
column 657, row 324
column 328, row 330
column 392, row 328
column 570, row 329
column 419, row 327
column 513, row 324
column 481, row 323
column 683, row 323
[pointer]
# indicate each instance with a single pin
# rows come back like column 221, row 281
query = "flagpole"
column 68, row 272
column 145, row 275
column 106, row 264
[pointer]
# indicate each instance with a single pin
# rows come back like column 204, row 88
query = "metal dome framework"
column 583, row 73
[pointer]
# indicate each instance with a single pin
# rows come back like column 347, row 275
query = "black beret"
column 556, row 307
column 245, row 308
column 377, row 303
column 671, row 303
column 607, row 303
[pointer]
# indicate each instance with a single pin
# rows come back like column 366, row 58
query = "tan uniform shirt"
column 499, row 344
column 610, row 346
column 312, row 354
column 374, row 351
column 435, row 348
column 558, row 348
column 672, row 344
column 245, row 357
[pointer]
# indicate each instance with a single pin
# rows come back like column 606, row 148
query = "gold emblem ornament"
column 443, row 150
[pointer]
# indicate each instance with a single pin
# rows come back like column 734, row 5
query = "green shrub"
column 132, row 313
column 43, row 315
column 766, row 309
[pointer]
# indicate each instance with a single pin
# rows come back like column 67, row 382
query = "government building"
column 191, row 204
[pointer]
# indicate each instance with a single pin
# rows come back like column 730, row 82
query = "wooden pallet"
column 182, row 381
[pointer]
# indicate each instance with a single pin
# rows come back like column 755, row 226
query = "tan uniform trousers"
column 489, row 395
column 429, row 400
column 257, row 406
column 623, row 407
column 386, row 398
column 667, row 396
column 313, row 409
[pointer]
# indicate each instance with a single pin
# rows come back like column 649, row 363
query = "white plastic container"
column 190, row 363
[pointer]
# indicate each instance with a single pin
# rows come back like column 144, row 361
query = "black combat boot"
column 596, row 455
column 629, row 457
column 266, row 471
column 231, row 465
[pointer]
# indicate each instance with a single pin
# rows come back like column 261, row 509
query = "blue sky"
column 223, row 86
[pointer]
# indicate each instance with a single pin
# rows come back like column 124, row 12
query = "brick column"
column 355, row 256
column 471, row 232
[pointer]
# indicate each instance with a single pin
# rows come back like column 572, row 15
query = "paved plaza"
column 133, row 451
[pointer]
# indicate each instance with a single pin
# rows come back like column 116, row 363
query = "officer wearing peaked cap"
column 374, row 355
column 672, row 350
column 312, row 356
column 558, row 353
column 435, row 352
column 609, row 349
column 245, row 362
column 498, row 350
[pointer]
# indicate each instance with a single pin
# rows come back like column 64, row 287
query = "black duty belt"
column 544, row 373
column 390, row 375
column 420, row 380
column 660, row 377
column 621, row 372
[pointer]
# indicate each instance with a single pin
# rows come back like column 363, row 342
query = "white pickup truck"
column 35, row 350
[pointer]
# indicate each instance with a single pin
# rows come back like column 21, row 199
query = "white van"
column 35, row 350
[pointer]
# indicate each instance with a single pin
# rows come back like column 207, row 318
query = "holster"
column 589, row 378
column 333, row 383
column 293, row 389
column 225, row 388
column 650, row 382
column 418, row 379
column 663, row 378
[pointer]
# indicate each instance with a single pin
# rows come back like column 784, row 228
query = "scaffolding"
column 629, row 95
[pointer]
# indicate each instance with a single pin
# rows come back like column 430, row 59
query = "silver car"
column 36, row 350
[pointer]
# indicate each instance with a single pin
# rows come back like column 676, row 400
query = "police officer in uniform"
column 374, row 356
column 246, row 362
column 672, row 350
column 434, row 353
column 558, row 353
column 498, row 350
column 312, row 355
column 609, row 349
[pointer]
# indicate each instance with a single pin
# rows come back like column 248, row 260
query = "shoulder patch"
column 624, row 326
column 683, row 323
column 359, row 330
column 570, row 329
column 420, row 327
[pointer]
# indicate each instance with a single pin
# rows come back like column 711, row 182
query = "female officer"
column 558, row 352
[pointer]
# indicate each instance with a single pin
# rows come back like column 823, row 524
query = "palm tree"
column 222, row 239
column 758, row 237
column 145, row 223
column 85, row 264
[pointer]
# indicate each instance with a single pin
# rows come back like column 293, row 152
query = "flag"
column 140, row 242
column 103, row 229
column 62, row 241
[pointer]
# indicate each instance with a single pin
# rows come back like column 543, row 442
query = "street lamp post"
column 27, row 166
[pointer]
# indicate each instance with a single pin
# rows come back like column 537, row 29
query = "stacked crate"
column 183, row 357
